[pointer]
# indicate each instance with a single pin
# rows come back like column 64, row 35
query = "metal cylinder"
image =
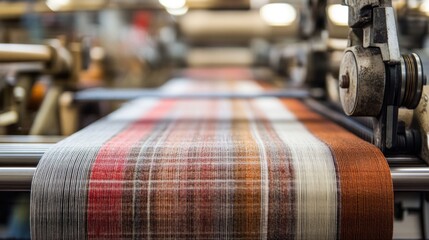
column 106, row 94
column 410, row 179
column 404, row 179
column 22, row 155
column 16, row 179
column 413, row 80
column 28, row 155
column 25, row 53
column 24, row 139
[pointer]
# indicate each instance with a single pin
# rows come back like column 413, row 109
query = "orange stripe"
column 366, row 207
column 247, row 194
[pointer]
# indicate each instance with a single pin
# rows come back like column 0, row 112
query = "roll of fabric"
column 212, row 169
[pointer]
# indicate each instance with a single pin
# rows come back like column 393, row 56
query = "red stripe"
column 105, row 185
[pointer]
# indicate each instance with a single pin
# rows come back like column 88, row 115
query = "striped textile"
column 212, row 169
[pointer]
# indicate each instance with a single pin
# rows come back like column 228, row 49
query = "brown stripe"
column 366, row 207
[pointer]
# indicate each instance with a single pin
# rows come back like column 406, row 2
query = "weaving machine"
column 216, row 154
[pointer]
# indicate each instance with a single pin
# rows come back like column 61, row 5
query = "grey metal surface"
column 20, row 139
column 20, row 155
column 16, row 179
column 25, row 53
column 365, row 73
column 105, row 94
column 410, row 179
column 406, row 161
column 404, row 179
column 341, row 119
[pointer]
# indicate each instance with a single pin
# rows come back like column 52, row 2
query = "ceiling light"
column 424, row 7
column 175, row 4
column 278, row 14
column 339, row 14
column 178, row 11
column 56, row 5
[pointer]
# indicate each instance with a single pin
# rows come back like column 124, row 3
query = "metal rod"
column 410, row 179
column 16, row 179
column 404, row 179
column 105, row 94
column 20, row 155
column 15, row 157
column 29, row 139
column 26, row 154
column 24, row 53
column 356, row 128
column 406, row 161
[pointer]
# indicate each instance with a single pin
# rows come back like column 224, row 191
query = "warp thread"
column 212, row 169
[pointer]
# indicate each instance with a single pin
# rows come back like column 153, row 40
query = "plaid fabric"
column 212, row 169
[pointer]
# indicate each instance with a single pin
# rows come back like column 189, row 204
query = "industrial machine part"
column 375, row 80
column 106, row 94
column 55, row 57
column 404, row 179
column 23, row 62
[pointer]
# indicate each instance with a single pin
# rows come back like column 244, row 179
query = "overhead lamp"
column 339, row 14
column 177, row 11
column 56, row 5
column 173, row 4
column 424, row 7
column 278, row 14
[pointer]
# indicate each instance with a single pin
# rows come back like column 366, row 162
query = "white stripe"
column 226, row 154
column 315, row 175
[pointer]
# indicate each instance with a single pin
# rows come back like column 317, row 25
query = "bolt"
column 345, row 81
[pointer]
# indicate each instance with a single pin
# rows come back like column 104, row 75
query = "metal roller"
column 362, row 82
column 104, row 94
column 404, row 179
column 56, row 59
column 16, row 179
column 26, row 139
column 20, row 155
column 29, row 155
column 410, row 179
column 25, row 53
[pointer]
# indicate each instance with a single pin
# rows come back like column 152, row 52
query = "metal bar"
column 406, row 161
column 24, row 53
column 365, row 121
column 404, row 179
column 20, row 155
column 16, row 179
column 105, row 94
column 17, row 155
column 8, row 139
column 410, row 179
column 346, row 122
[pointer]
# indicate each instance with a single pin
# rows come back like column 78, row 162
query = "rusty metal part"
column 360, row 11
column 381, row 81
column 362, row 84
